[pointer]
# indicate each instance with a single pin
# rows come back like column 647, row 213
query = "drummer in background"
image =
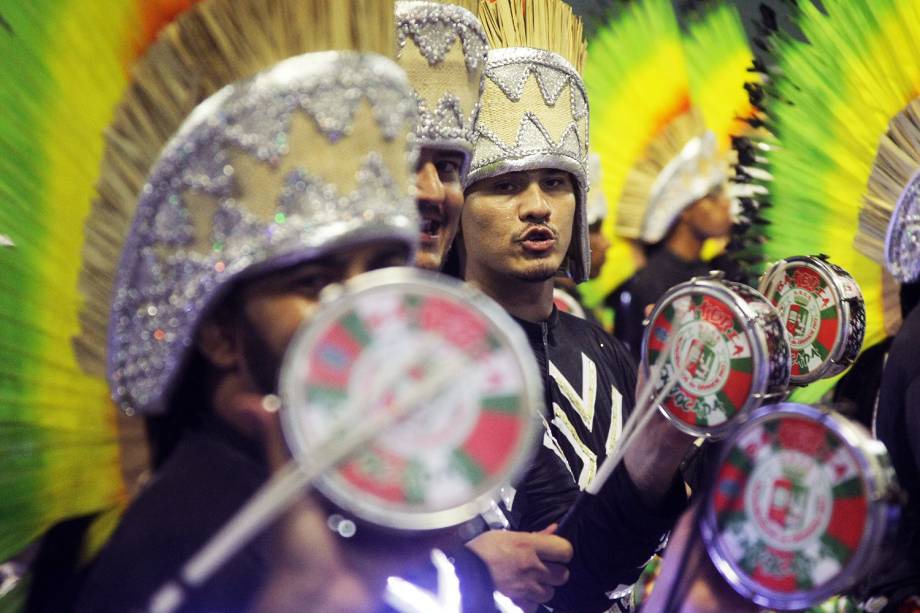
column 688, row 204
column 342, row 205
column 524, row 219
column 446, row 82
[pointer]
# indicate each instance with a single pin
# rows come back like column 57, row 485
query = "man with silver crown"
column 524, row 218
column 273, row 188
column 442, row 47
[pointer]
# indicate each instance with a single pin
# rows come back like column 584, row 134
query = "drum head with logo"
column 388, row 332
column 720, row 359
column 789, row 515
column 825, row 334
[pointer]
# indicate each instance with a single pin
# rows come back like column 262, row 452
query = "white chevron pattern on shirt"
column 584, row 405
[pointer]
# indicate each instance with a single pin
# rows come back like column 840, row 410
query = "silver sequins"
column 178, row 259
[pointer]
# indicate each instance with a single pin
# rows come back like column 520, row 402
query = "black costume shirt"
column 589, row 386
column 897, row 424
column 211, row 473
column 208, row 477
column 663, row 271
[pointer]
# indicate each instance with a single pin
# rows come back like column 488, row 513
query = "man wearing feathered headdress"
column 272, row 188
column 525, row 219
column 687, row 205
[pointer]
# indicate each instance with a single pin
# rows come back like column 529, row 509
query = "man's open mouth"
column 538, row 239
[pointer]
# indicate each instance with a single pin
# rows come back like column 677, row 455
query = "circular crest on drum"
column 728, row 351
column 384, row 337
column 823, row 312
column 800, row 506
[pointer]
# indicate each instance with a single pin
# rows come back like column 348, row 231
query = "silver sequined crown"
column 689, row 176
column 535, row 115
column 902, row 239
column 443, row 49
column 316, row 152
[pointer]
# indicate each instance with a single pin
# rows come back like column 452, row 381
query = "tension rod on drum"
column 276, row 495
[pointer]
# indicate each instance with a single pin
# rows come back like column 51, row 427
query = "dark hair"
column 190, row 400
column 186, row 407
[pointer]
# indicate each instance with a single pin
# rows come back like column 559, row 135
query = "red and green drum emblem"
column 790, row 505
column 712, row 354
column 466, row 441
column 810, row 310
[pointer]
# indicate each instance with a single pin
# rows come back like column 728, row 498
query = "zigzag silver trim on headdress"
column 515, row 129
column 227, row 195
column 435, row 30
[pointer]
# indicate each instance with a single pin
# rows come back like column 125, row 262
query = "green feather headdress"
column 831, row 102
column 652, row 88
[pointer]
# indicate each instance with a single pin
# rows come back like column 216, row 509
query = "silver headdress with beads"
column 266, row 173
column 443, row 49
column 535, row 111
column 689, row 176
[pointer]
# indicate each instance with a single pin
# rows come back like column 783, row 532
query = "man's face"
column 274, row 308
column 518, row 224
column 440, row 199
column 599, row 246
column 710, row 216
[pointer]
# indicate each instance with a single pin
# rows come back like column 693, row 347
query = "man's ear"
column 218, row 344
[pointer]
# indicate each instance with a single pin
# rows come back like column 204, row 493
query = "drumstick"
column 271, row 500
column 623, row 444
column 643, row 397
column 633, row 427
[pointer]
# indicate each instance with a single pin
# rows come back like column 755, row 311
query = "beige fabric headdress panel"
column 534, row 106
column 212, row 44
column 273, row 168
column 443, row 50
column 597, row 200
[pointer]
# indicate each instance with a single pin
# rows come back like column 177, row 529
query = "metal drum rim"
column 870, row 541
column 503, row 327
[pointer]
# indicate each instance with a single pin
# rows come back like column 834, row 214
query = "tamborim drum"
column 824, row 314
column 729, row 350
column 386, row 334
column 801, row 507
